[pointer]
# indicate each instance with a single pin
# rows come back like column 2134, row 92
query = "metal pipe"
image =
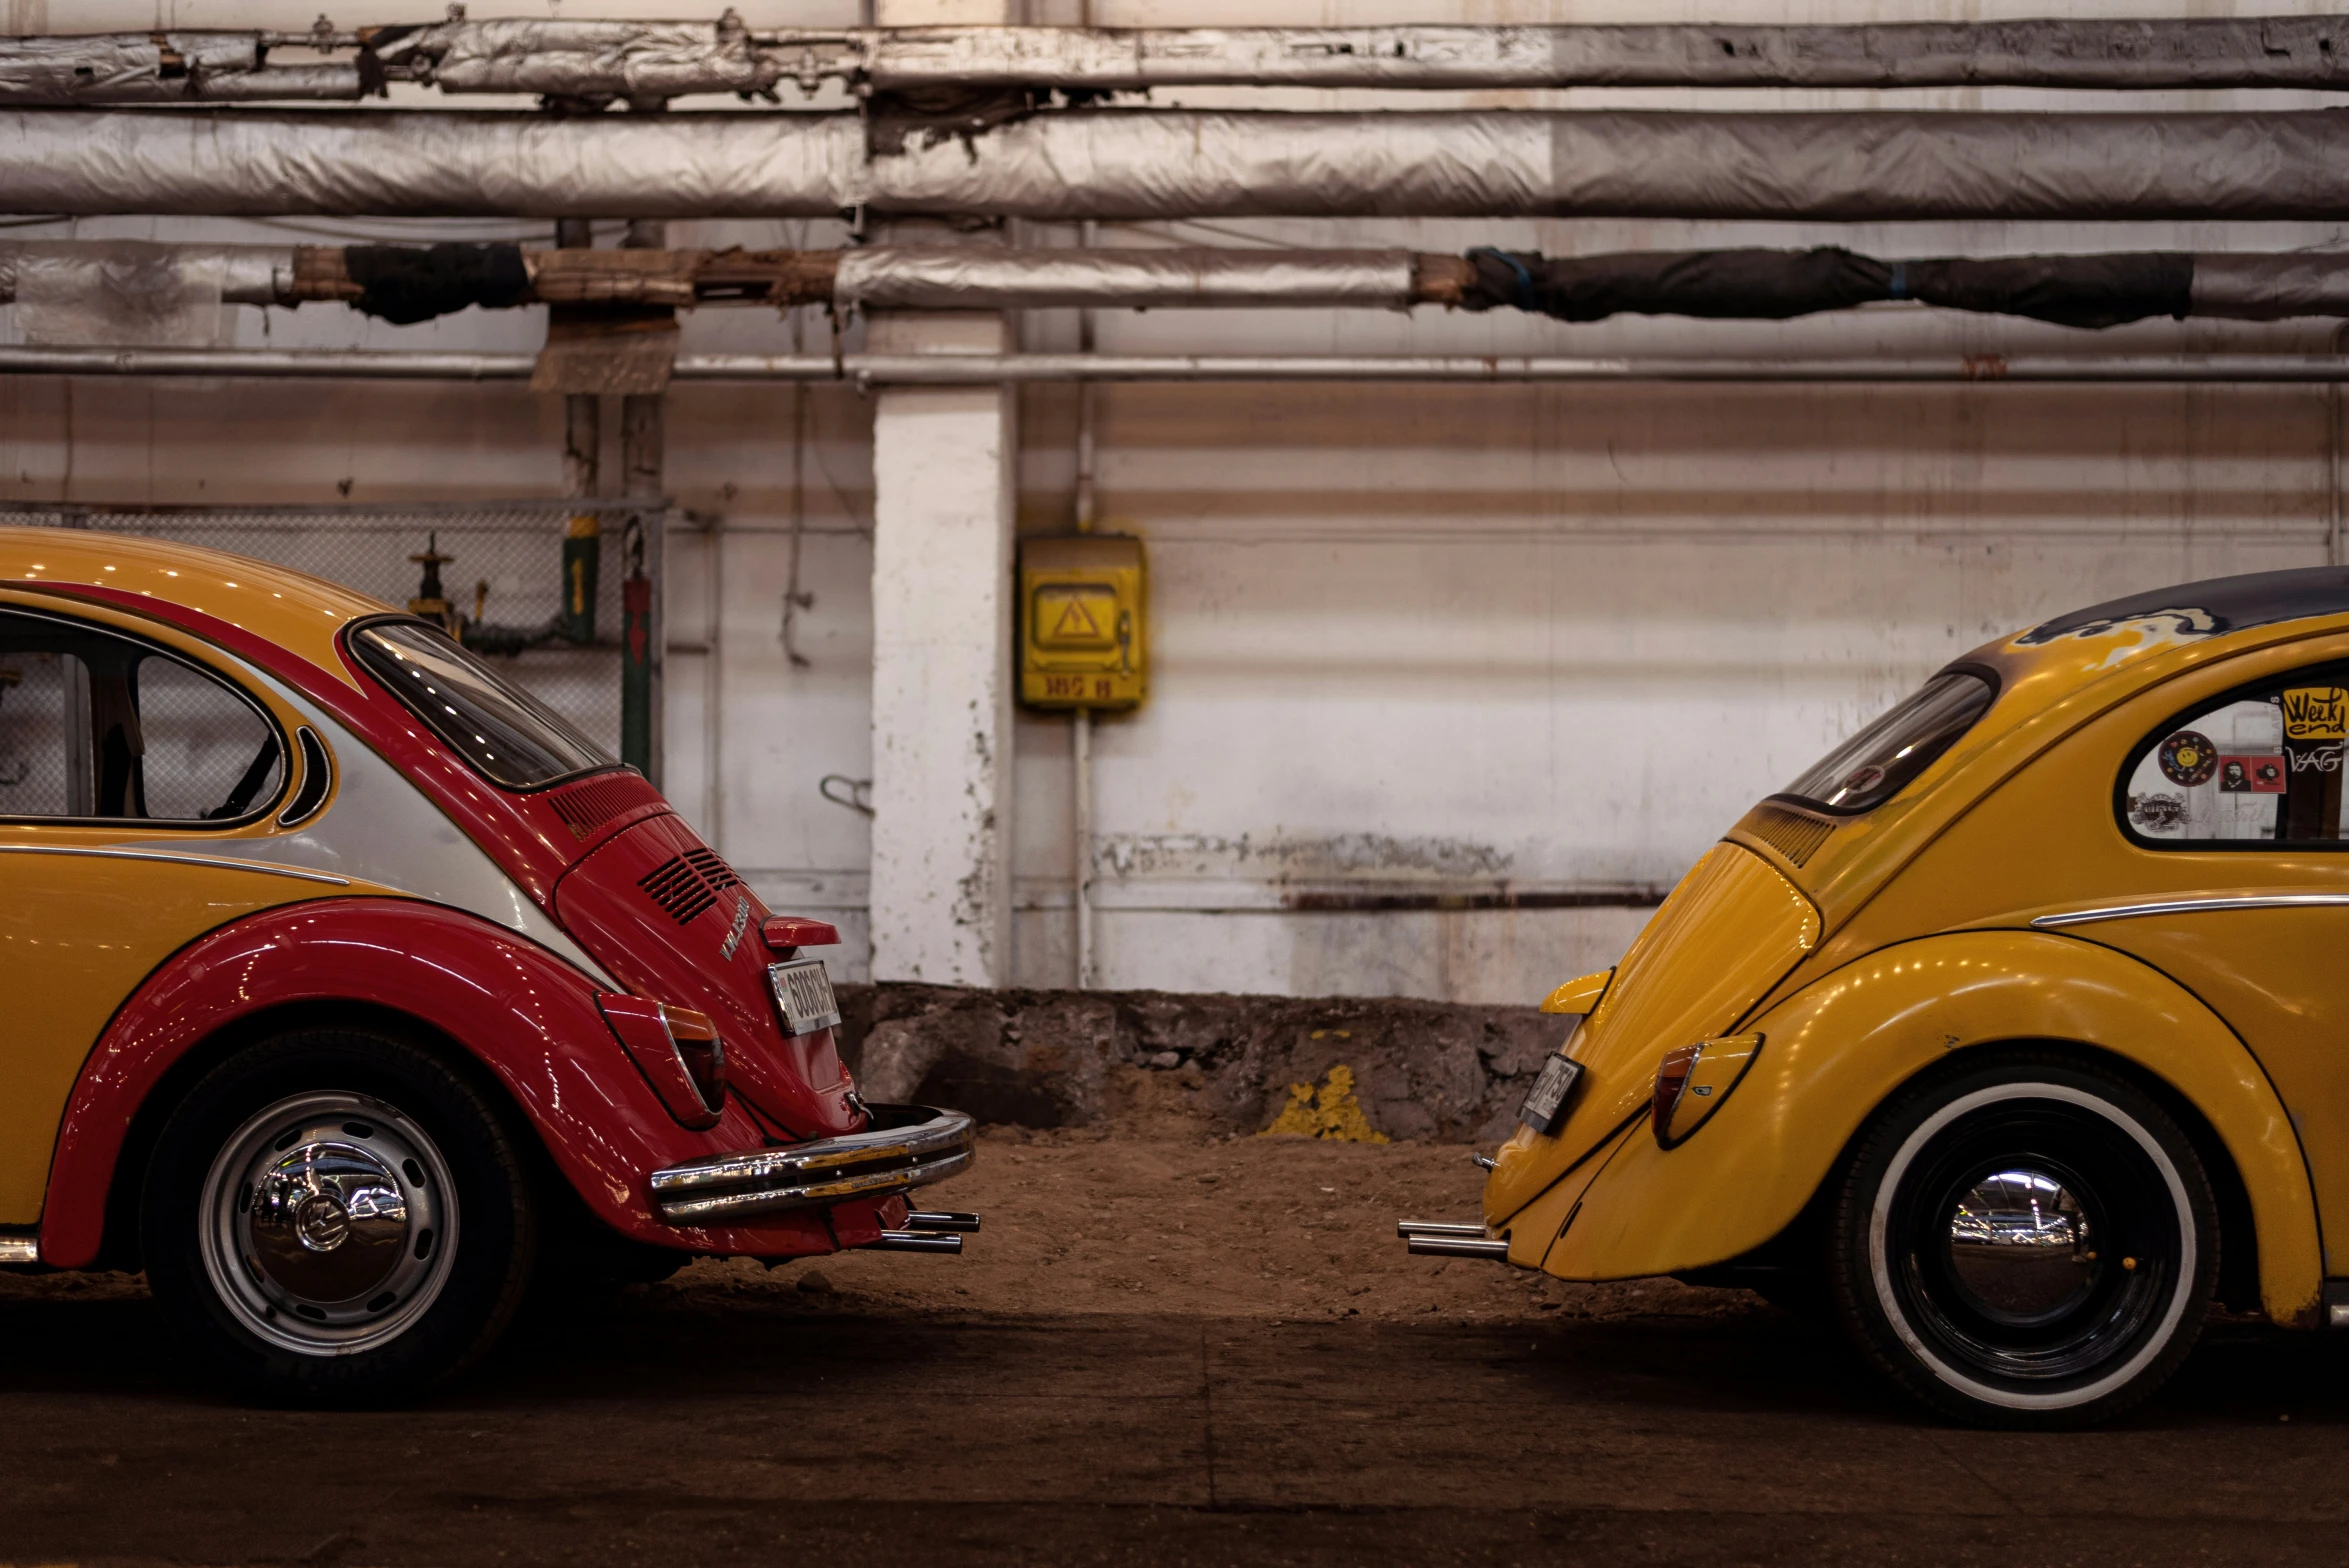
column 1409, row 1228
column 2247, row 52
column 924, row 278
column 992, row 369
column 406, row 283
column 918, row 1219
column 647, row 62
column 1423, row 1246
column 1178, row 163
column 913, row 1241
column 1080, row 719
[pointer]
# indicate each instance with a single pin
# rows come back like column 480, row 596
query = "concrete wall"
column 1435, row 642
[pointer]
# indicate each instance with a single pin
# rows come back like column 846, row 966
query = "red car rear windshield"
column 508, row 735
column 1874, row 765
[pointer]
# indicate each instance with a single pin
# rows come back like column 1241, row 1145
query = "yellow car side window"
column 2260, row 766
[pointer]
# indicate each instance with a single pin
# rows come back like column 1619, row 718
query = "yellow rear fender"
column 1833, row 1052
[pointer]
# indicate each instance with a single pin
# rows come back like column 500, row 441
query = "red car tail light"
column 679, row 1051
column 1692, row 1082
column 702, row 1050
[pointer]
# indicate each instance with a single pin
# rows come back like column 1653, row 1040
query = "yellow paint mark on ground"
column 1329, row 1112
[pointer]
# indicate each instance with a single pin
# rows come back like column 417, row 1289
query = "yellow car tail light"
column 1692, row 1082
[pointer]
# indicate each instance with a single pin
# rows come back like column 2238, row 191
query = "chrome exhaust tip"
column 1458, row 1247
column 1410, row 1228
column 924, row 1220
column 913, row 1241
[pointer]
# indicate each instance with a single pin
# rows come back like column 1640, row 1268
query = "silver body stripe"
column 2192, row 906
column 223, row 862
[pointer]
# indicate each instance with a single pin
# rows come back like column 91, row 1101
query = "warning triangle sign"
column 1076, row 623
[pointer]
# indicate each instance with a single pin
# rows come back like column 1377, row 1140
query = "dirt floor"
column 1192, row 1349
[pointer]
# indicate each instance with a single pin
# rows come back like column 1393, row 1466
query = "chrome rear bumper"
column 907, row 1146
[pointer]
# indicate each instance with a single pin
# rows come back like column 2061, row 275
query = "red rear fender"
column 527, row 1016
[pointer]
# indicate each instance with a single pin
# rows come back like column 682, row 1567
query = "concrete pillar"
column 942, row 682
column 943, row 482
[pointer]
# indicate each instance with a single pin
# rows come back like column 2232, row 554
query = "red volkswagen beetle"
column 347, row 985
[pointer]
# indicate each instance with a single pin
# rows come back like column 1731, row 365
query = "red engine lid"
column 671, row 921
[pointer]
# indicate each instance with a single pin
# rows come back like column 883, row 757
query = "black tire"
column 335, row 1216
column 2026, row 1242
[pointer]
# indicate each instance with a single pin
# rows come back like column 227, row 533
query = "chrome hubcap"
column 329, row 1221
column 2019, row 1246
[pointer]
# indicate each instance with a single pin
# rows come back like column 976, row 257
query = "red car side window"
column 99, row 726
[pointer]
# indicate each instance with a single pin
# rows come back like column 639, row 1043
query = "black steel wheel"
column 2030, row 1242
column 338, row 1216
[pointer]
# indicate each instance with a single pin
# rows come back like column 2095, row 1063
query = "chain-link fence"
column 505, row 567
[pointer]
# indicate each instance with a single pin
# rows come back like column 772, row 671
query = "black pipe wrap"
column 2076, row 291
column 1773, row 285
column 410, row 283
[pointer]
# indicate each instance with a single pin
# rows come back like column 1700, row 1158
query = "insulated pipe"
column 599, row 61
column 1861, row 166
column 994, row 369
column 2250, row 52
column 102, row 280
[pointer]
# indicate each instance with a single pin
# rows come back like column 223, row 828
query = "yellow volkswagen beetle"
column 2014, row 1033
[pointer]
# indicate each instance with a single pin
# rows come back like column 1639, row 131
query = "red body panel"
column 529, row 1017
column 612, row 903
column 578, row 850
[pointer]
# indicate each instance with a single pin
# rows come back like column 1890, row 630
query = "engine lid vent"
column 590, row 803
column 1792, row 833
column 686, row 885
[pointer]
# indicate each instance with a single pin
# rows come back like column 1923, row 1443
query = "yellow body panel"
column 1835, row 1051
column 2281, row 977
column 300, row 614
column 1577, row 997
column 78, row 933
column 82, row 924
column 1724, row 936
column 1921, row 945
column 1546, row 1218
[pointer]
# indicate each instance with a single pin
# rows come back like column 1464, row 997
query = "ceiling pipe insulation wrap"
column 1121, row 279
column 656, row 61
column 2254, row 52
column 125, row 291
column 1139, row 164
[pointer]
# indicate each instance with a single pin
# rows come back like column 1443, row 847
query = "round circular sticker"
column 2188, row 758
column 1861, row 780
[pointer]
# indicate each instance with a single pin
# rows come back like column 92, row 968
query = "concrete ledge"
column 1069, row 1058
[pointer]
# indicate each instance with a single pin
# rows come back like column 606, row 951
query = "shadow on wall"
column 1053, row 1058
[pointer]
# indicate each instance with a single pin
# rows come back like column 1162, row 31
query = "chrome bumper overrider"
column 907, row 1146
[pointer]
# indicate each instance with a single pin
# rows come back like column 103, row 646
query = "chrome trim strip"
column 223, row 862
column 2192, row 906
column 916, row 1146
column 20, row 1249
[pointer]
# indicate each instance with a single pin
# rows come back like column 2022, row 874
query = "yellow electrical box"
column 1081, row 621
